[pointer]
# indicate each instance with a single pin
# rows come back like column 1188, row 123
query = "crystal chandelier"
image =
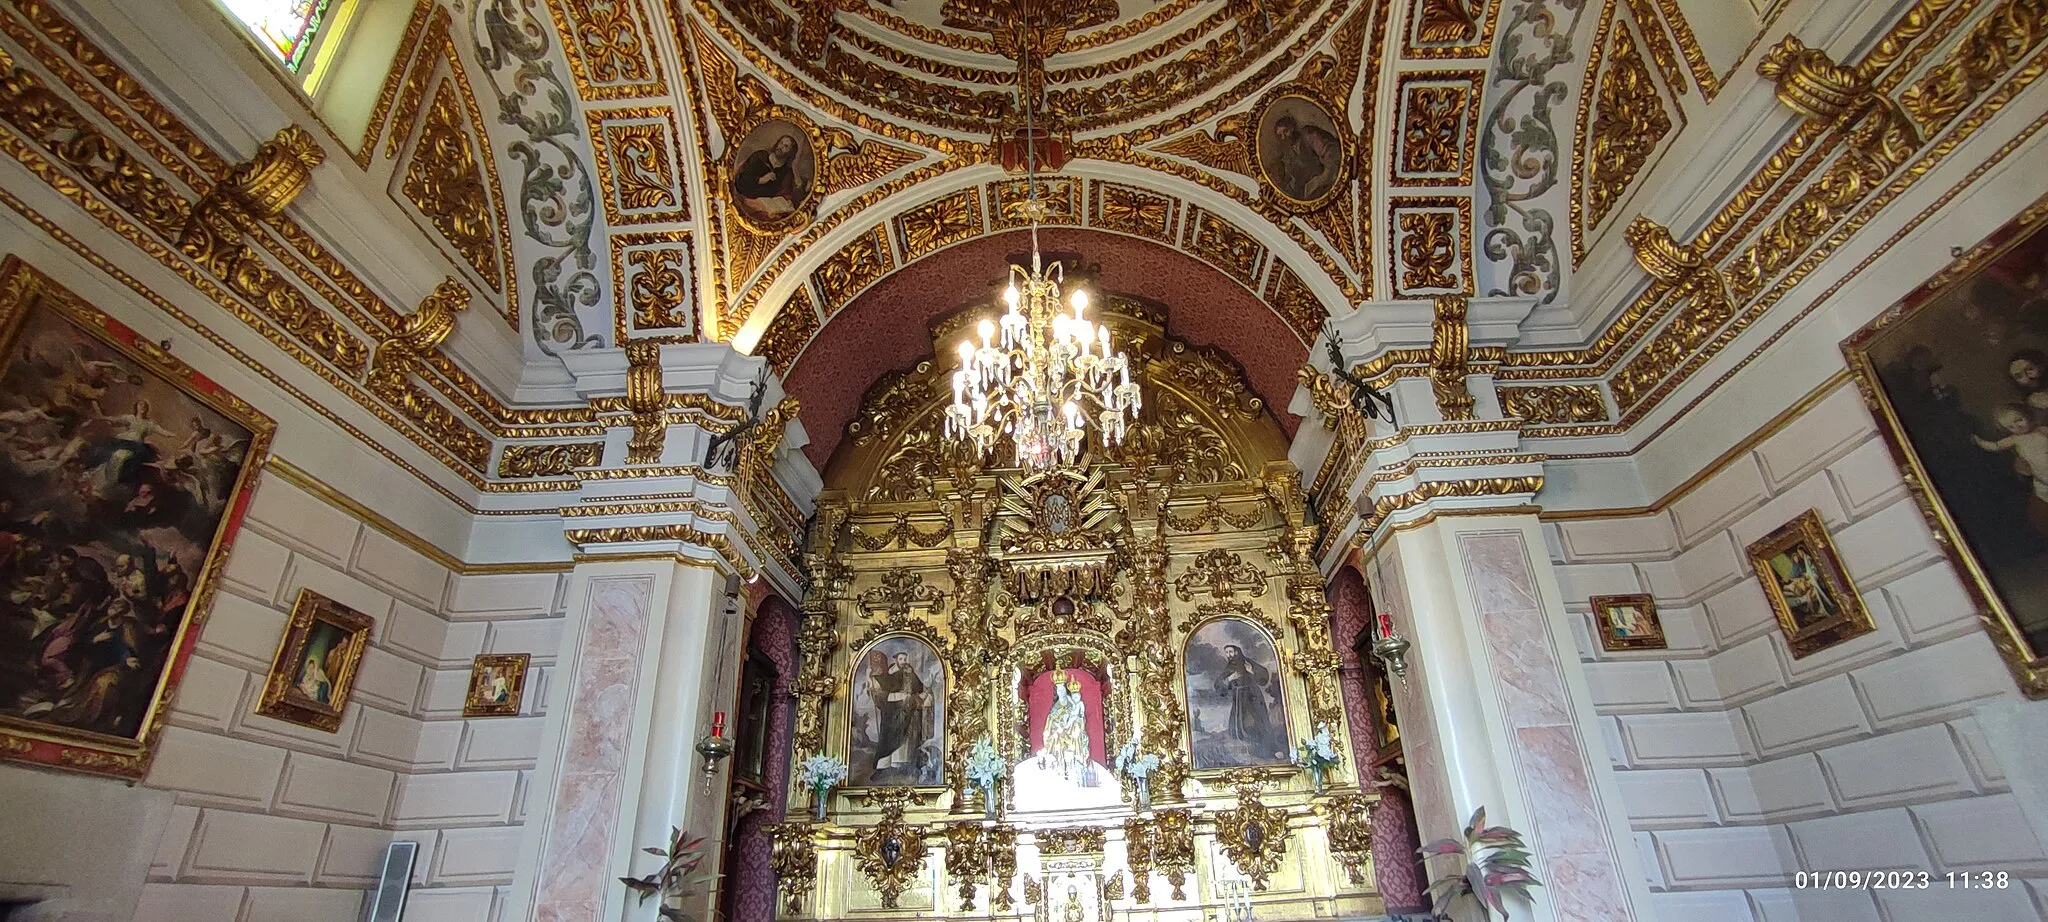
column 1040, row 375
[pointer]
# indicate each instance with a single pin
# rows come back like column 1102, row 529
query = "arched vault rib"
column 887, row 325
column 1271, row 269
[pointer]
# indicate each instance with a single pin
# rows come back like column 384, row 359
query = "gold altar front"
column 1105, row 582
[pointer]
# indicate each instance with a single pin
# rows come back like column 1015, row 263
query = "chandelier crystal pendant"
column 1041, row 375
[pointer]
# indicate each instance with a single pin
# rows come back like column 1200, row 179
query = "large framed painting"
column 123, row 476
column 1957, row 376
column 1237, row 712
column 899, row 715
column 1810, row 592
column 1300, row 148
column 315, row 668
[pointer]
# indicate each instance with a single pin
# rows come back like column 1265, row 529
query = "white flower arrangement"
column 822, row 773
column 985, row 767
column 1318, row 752
column 1135, row 764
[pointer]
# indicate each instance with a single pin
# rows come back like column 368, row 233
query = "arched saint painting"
column 772, row 173
column 1236, row 713
column 899, row 715
column 1066, row 763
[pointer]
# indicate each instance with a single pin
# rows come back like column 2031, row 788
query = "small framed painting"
column 497, row 685
column 315, row 669
column 1627, row 622
column 1810, row 592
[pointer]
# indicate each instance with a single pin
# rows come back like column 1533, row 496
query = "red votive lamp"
column 1386, row 625
column 718, row 723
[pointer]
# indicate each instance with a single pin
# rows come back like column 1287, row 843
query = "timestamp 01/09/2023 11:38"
column 1901, row 880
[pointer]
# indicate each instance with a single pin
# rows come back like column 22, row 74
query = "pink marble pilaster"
column 1578, row 858
column 575, row 875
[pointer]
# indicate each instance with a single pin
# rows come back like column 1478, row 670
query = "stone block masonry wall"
column 1740, row 765
column 273, row 821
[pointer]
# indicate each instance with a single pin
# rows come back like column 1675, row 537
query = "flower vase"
column 988, row 802
column 818, row 801
column 1315, row 774
column 1144, row 794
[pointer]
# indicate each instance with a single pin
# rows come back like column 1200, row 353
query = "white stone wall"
column 1739, row 765
column 274, row 821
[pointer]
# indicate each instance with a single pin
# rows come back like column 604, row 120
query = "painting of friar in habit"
column 899, row 700
column 1236, row 713
column 117, row 477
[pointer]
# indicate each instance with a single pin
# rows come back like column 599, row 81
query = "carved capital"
column 280, row 170
column 430, row 325
column 1659, row 255
column 1812, row 84
column 1450, row 358
column 645, row 401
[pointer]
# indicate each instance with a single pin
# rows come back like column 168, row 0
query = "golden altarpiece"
column 1164, row 596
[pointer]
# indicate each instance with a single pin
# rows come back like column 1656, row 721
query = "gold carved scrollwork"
column 1347, row 821
column 445, row 181
column 795, row 862
column 399, row 358
column 1564, row 403
column 1253, row 835
column 901, row 590
column 1212, row 513
column 645, row 402
column 518, row 460
column 900, row 534
column 891, row 853
column 1173, row 848
column 1138, row 857
column 1222, row 574
column 1628, row 122
column 1428, row 249
column 1226, row 150
column 966, row 858
column 1002, row 865
column 1450, row 358
column 1812, row 84
column 1074, row 840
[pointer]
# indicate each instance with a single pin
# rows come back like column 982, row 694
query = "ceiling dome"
column 952, row 66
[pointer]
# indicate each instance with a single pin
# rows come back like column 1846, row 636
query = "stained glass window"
column 284, row 27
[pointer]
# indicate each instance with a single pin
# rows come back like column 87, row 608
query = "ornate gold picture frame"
column 1950, row 372
column 1627, row 622
column 315, row 669
column 497, row 685
column 772, row 189
column 1301, row 148
column 124, row 476
column 1810, row 593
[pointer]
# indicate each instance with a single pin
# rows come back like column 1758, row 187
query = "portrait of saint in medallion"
column 773, row 167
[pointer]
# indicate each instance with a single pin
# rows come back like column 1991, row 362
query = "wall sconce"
column 715, row 747
column 1392, row 648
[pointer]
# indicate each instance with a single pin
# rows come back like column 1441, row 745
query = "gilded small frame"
column 1950, row 372
column 1810, row 593
column 1300, row 147
column 1627, row 622
column 497, row 685
column 315, row 668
